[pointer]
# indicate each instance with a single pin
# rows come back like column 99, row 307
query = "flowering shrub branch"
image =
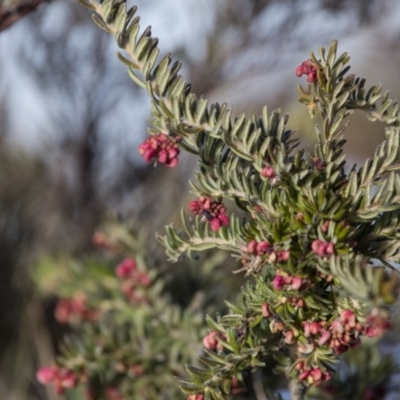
column 310, row 231
column 125, row 330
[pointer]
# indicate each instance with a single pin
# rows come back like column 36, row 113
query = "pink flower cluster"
column 60, row 378
column 307, row 68
column 322, row 249
column 344, row 333
column 213, row 211
column 73, row 310
column 212, row 342
column 161, row 148
column 264, row 247
column 128, row 271
column 100, row 241
column 268, row 172
column 284, row 281
column 377, row 325
column 313, row 376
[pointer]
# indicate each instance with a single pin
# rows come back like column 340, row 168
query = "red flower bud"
column 46, row 375
column 278, row 282
column 262, row 247
column 125, row 268
column 265, row 310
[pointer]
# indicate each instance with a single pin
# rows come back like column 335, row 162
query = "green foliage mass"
column 303, row 203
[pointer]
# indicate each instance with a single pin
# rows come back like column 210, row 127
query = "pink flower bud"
column 315, row 328
column 337, row 327
column 306, row 328
column 325, row 337
column 262, row 247
column 268, row 172
column 223, row 219
column 144, row 279
column 311, row 77
column 163, row 156
column 173, row 153
column 283, row 255
column 215, row 224
column 304, row 375
column 348, row 317
column 289, row 337
column 210, row 341
column 172, row 163
column 207, row 204
column 265, row 310
column 296, row 283
column 68, row 378
column 195, row 207
column 330, row 248
column 278, row 282
column 252, row 246
column 125, row 268
column 325, row 226
column 46, row 375
column 299, row 71
column 316, row 374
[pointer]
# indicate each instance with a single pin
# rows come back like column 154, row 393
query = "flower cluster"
column 313, row 376
column 212, row 342
column 268, row 172
column 307, row 68
column 73, row 310
column 61, row 378
column 340, row 335
column 284, row 281
column 161, row 148
column 264, row 247
column 213, row 211
column 322, row 249
column 132, row 278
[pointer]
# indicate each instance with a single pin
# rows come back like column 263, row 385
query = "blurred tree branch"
column 12, row 13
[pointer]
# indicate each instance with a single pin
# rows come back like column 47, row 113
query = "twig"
column 11, row 15
column 297, row 390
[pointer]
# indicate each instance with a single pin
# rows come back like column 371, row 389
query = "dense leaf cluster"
column 318, row 241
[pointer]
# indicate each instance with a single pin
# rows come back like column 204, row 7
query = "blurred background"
column 71, row 121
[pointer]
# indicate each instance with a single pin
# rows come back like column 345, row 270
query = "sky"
column 181, row 26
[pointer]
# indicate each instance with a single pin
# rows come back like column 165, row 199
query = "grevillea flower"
column 60, row 378
column 307, row 68
column 258, row 248
column 213, row 211
column 268, row 172
column 313, row 376
column 46, row 375
column 73, row 309
column 211, row 342
column 265, row 311
column 278, row 283
column 322, row 249
column 125, row 268
column 377, row 325
column 161, row 148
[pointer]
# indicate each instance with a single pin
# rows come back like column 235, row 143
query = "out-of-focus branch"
column 10, row 15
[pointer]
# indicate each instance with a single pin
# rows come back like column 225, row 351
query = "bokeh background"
column 71, row 121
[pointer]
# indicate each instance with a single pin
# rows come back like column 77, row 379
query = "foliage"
column 316, row 243
column 125, row 329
